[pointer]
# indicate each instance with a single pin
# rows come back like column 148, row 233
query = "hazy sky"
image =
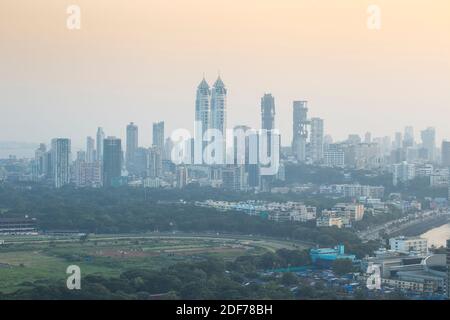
column 141, row 60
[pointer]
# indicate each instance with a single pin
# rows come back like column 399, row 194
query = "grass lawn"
column 29, row 262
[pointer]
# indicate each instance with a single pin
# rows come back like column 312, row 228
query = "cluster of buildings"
column 353, row 190
column 409, row 266
column 341, row 215
column 279, row 212
column 109, row 161
column 405, row 171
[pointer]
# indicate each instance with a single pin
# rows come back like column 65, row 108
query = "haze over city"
column 142, row 63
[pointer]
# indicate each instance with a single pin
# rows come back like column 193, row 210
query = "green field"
column 29, row 259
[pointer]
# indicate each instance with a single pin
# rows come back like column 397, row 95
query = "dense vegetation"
column 128, row 210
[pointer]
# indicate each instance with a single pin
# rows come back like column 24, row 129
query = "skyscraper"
column 268, row 112
column 219, row 106
column 241, row 145
column 112, row 161
column 429, row 142
column 90, row 150
column 168, row 145
column 60, row 154
column 316, row 139
column 219, row 112
column 408, row 137
column 155, row 162
column 203, row 105
column 182, row 177
column 300, row 130
column 100, row 138
column 40, row 158
column 158, row 136
column 132, row 145
column 398, row 140
column 268, row 119
column 446, row 153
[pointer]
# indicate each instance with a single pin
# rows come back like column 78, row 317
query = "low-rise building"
column 329, row 221
column 407, row 245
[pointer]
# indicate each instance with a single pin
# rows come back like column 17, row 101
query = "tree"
column 289, row 279
column 342, row 266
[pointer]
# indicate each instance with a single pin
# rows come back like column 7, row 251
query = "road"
column 395, row 226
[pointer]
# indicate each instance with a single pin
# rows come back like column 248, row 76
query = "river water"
column 438, row 236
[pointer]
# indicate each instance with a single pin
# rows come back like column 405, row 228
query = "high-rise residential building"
column 408, row 137
column 88, row 174
column 219, row 112
column 155, row 162
column 168, row 146
column 445, row 151
column 368, row 137
column 316, row 143
column 233, row 178
column 300, row 130
column 403, row 172
column 429, row 142
column 182, row 176
column 334, row 155
column 158, row 136
column 39, row 163
column 268, row 112
column 90, row 150
column 219, row 106
column 268, row 119
column 81, row 155
column 141, row 164
column 203, row 106
column 40, row 159
column 132, row 145
column 241, row 145
column 398, row 140
column 100, row 138
column 112, row 161
column 60, row 162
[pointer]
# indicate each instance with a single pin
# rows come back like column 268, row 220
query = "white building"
column 334, row 156
column 439, row 178
column 353, row 211
column 329, row 221
column 60, row 154
column 316, row 139
column 403, row 172
column 406, row 245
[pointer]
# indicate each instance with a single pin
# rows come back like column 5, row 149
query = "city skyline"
column 301, row 120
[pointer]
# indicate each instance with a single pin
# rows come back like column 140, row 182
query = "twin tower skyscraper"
column 211, row 106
